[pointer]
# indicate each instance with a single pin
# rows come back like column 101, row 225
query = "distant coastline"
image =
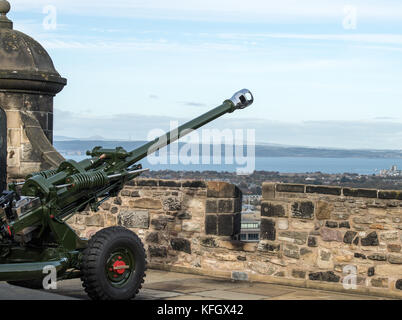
column 79, row 147
column 268, row 158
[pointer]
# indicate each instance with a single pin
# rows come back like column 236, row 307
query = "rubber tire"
column 95, row 255
column 30, row 284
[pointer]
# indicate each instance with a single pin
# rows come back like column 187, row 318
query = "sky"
column 323, row 73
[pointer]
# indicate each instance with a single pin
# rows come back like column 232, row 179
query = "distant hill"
column 79, row 146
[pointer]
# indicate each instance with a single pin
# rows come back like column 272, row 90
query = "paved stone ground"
column 164, row 285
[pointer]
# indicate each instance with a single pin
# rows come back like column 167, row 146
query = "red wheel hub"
column 119, row 266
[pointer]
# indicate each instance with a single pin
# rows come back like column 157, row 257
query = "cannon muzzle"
column 242, row 99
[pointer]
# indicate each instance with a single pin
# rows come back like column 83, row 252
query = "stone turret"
column 28, row 84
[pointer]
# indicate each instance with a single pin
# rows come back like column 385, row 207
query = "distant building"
column 250, row 231
column 392, row 172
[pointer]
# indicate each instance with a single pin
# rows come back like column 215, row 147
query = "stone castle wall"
column 29, row 133
column 171, row 217
column 311, row 236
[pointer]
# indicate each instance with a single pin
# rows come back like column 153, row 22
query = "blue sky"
column 315, row 82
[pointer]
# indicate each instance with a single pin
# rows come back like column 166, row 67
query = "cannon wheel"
column 113, row 265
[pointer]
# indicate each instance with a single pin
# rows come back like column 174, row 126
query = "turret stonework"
column 28, row 83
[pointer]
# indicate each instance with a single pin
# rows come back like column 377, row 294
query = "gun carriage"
column 34, row 233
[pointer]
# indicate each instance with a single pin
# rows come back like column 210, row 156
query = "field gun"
column 34, row 234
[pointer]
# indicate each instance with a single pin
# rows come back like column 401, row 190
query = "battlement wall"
column 311, row 236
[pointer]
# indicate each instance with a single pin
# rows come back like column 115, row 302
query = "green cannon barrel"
column 240, row 100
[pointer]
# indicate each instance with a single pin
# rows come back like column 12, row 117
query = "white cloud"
column 220, row 10
column 395, row 39
column 368, row 134
column 138, row 45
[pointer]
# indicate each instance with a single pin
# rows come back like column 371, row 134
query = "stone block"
column 269, row 247
column 370, row 240
column 379, row 282
column 394, row 247
column 169, row 183
column 324, row 210
column 377, row 257
column 389, row 236
column 157, row 251
column 328, row 276
column 239, row 276
column 283, row 224
column 267, row 229
column 336, row 191
column 285, row 187
column 298, row 274
column 114, row 210
column 211, row 224
column 218, row 189
column 225, row 225
column 209, row 242
column 125, row 193
column 194, row 184
column 331, row 224
column 152, row 237
column 238, row 203
column 331, row 235
column 269, row 209
column 226, row 206
column 390, row 194
column 349, row 236
column 324, row 255
column 291, row 251
column 13, row 120
column 237, row 223
column 268, row 190
column 395, row 258
column 303, row 210
column 95, row 220
column 362, row 193
column 146, row 203
column 184, row 216
column 161, row 222
column 147, row 183
column 180, row 244
column 293, row 236
column 211, row 206
column 340, row 215
column 133, row 218
column 312, row 242
column 364, row 220
column 110, row 220
column 171, row 204
column 191, row 226
column 305, row 251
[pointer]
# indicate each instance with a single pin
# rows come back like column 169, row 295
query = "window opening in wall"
column 250, row 219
